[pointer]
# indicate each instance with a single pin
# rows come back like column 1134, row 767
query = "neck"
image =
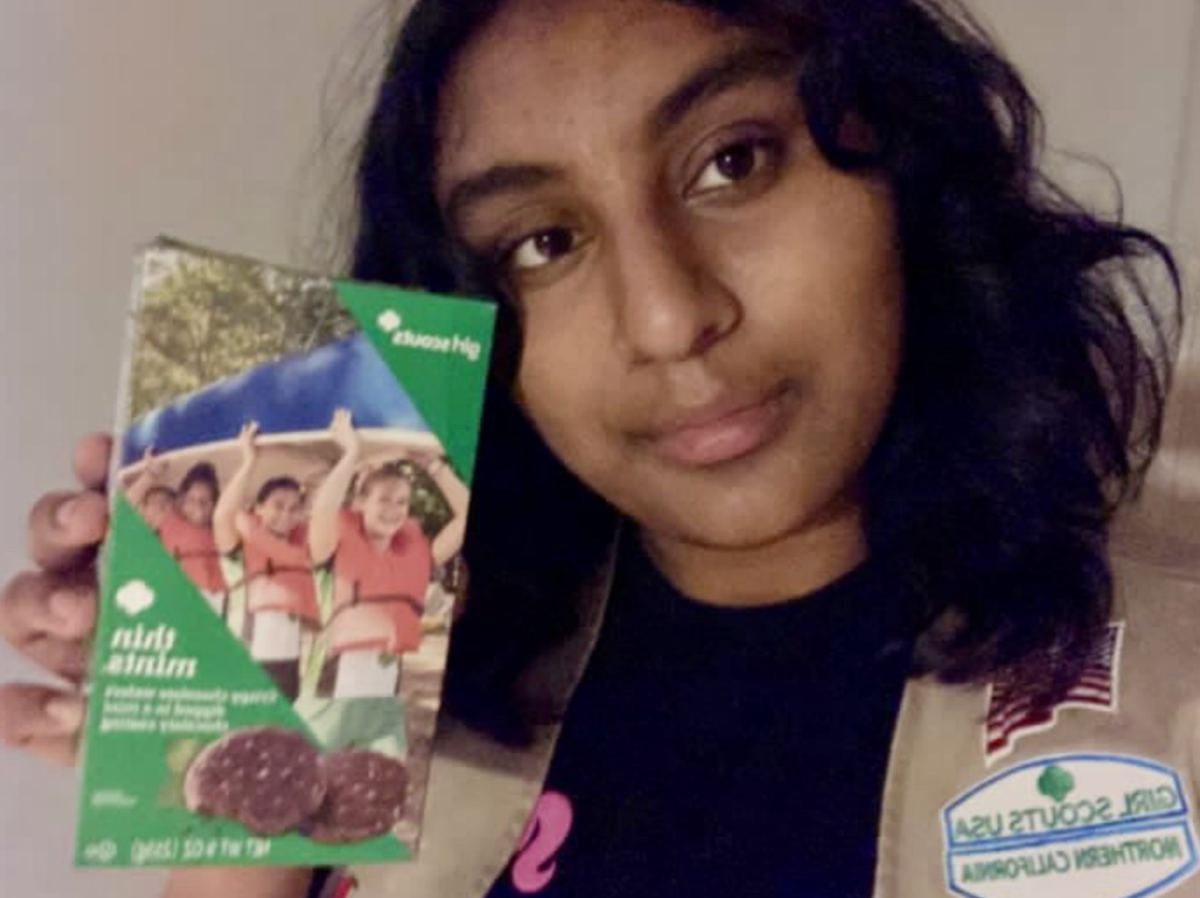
column 787, row 568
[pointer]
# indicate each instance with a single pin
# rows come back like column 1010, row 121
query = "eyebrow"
column 729, row 72
column 496, row 180
column 738, row 68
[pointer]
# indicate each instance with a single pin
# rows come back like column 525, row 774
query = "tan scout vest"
column 1101, row 804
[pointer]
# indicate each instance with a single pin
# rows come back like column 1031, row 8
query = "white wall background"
column 126, row 118
column 120, row 120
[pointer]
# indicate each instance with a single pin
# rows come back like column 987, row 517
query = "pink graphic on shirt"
column 547, row 830
column 344, row 887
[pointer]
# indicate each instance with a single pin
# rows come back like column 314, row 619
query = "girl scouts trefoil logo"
column 134, row 597
column 1105, row 826
column 392, row 324
column 389, row 321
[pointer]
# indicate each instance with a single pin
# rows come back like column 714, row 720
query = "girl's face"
column 157, row 506
column 384, row 507
column 196, row 505
column 281, row 512
column 711, row 312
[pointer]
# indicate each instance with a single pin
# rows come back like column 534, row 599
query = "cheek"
column 825, row 284
column 564, row 385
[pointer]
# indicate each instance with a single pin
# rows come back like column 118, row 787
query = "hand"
column 48, row 613
column 434, row 464
column 341, row 429
column 154, row 467
column 246, row 442
column 426, row 458
column 245, row 882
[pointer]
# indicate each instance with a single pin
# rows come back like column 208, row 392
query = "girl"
column 186, row 531
column 281, row 612
column 156, row 505
column 818, row 401
column 382, row 564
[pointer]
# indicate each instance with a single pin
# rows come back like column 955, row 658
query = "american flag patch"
column 1010, row 717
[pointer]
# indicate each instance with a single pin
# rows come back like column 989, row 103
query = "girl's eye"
column 541, row 249
column 732, row 164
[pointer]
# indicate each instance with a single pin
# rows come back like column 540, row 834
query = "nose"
column 670, row 303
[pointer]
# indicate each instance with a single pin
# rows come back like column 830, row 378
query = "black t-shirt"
column 722, row 752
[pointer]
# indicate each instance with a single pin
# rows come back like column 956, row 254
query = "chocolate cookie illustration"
column 267, row 778
column 364, row 797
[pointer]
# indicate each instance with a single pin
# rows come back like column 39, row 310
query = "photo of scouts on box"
column 329, row 552
column 382, row 560
column 269, row 537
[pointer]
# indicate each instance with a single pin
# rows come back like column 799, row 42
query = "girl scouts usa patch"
column 1071, row 826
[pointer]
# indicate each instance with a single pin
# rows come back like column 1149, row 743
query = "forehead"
column 388, row 484
column 541, row 70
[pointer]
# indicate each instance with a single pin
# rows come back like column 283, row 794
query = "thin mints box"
column 289, row 497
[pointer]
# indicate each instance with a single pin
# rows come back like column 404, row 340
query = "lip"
column 726, row 429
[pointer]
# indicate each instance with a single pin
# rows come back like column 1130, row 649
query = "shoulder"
column 1158, row 599
column 350, row 536
column 1158, row 606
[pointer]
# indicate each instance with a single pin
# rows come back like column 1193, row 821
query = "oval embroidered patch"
column 1095, row 825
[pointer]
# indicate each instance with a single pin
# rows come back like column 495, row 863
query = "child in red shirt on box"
column 280, row 611
column 186, row 529
column 382, row 564
column 156, row 505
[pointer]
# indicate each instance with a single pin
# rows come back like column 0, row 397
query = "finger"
column 65, row 528
column 266, row 882
column 68, row 659
column 92, row 454
column 42, row 721
column 37, row 604
column 49, row 620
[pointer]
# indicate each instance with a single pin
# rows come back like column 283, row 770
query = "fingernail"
column 65, row 511
column 65, row 711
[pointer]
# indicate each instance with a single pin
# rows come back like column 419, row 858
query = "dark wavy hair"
column 1031, row 392
column 275, row 484
column 201, row 473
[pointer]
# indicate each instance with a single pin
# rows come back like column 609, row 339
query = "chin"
column 747, row 518
column 729, row 523
column 733, row 534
